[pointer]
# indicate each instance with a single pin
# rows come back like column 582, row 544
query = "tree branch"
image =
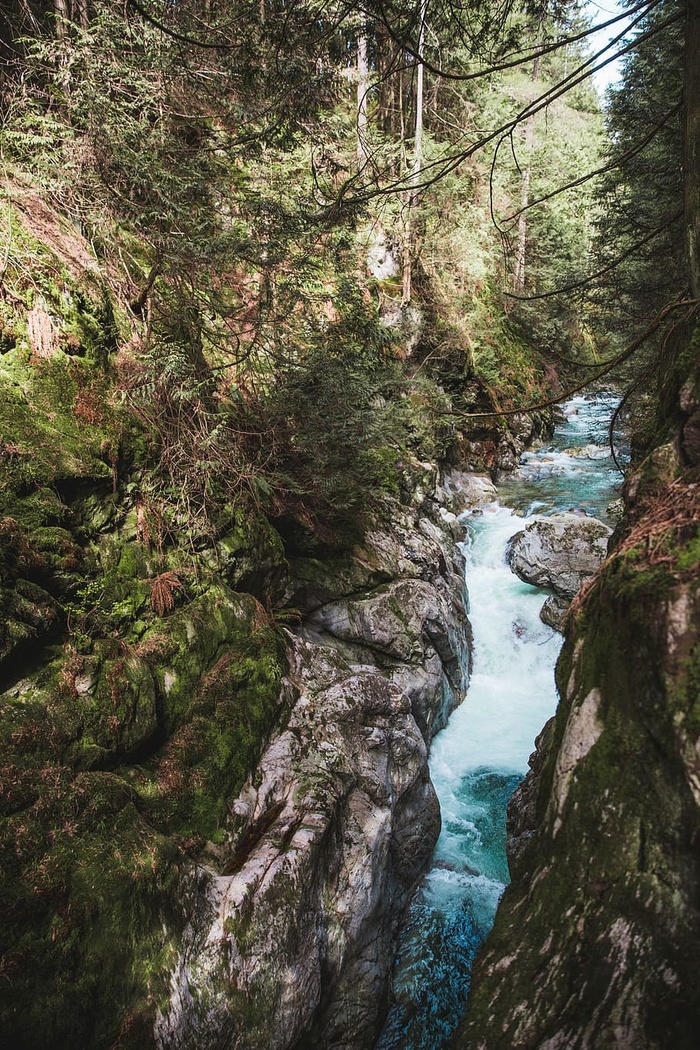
column 616, row 163
column 547, row 49
column 600, row 273
column 609, row 366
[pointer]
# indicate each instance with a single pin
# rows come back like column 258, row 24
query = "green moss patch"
column 90, row 848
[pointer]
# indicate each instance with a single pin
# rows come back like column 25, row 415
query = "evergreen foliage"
column 200, row 374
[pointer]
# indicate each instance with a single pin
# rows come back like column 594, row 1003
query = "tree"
column 691, row 144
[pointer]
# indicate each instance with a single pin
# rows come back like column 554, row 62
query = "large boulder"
column 398, row 603
column 402, row 608
column 560, row 553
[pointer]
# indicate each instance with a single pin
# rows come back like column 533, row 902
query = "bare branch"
column 606, row 269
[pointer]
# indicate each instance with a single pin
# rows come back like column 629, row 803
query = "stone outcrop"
column 336, row 832
column 554, row 611
column 497, row 452
column 291, row 940
column 560, row 552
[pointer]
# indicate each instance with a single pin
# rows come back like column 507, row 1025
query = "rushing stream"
column 477, row 761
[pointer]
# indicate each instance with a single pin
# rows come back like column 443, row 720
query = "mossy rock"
column 249, row 556
column 30, row 616
column 44, row 436
column 601, row 921
column 91, row 848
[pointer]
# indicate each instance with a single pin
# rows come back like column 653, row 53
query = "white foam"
column 512, row 691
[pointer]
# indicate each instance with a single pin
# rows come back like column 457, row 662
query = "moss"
column 85, row 944
column 220, row 694
column 249, row 554
column 685, row 694
column 602, row 907
column 90, row 324
column 90, row 855
column 43, row 439
column 121, row 750
column 688, row 556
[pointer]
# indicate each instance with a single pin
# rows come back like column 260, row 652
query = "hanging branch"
column 181, row 37
column 616, row 163
column 609, row 366
column 645, row 6
column 445, row 165
column 581, row 73
column 575, row 285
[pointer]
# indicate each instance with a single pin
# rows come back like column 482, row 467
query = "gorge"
column 479, row 759
column 317, row 325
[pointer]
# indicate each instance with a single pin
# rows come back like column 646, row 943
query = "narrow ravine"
column 478, row 760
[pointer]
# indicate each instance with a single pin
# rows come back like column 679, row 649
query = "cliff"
column 291, row 936
column 597, row 938
column 214, row 796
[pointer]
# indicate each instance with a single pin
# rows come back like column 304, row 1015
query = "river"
column 479, row 758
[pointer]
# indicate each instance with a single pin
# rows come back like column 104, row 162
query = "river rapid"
column 480, row 757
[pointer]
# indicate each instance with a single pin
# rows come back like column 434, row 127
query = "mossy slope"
column 140, row 681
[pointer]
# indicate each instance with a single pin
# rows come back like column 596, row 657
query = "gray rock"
column 293, row 936
column 560, row 552
column 406, row 322
column 554, row 611
column 381, row 260
column 460, row 491
column 415, row 629
column 398, row 603
column 337, row 825
column 30, row 616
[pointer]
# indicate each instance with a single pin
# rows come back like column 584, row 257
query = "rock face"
column 498, row 451
column 554, row 611
column 597, row 939
column 413, row 627
column 560, row 552
column 338, row 829
column 291, row 938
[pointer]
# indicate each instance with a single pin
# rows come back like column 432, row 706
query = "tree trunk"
column 362, row 90
column 82, row 10
column 691, row 144
column 414, row 178
column 61, row 16
column 519, row 263
column 418, row 140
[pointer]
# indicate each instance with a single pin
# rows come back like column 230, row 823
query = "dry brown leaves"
column 163, row 591
column 670, row 520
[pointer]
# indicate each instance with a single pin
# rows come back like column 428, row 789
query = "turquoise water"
column 575, row 470
column 480, row 757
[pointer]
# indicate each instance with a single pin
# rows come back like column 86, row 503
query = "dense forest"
column 267, row 271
